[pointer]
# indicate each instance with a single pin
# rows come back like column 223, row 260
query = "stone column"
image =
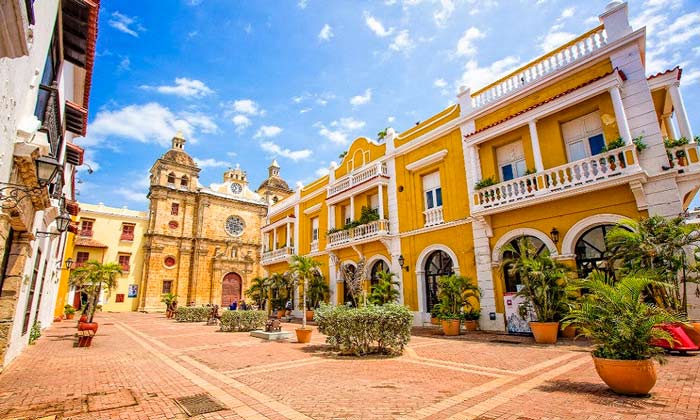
column 535, row 141
column 681, row 116
column 20, row 252
column 620, row 115
column 670, row 129
column 381, row 201
column 288, row 243
column 484, row 275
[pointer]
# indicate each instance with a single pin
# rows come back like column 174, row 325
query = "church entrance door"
column 231, row 289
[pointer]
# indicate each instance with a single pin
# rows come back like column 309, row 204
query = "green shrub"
column 35, row 332
column 370, row 329
column 242, row 320
column 192, row 313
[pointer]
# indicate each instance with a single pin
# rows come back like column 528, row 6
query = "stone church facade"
column 203, row 244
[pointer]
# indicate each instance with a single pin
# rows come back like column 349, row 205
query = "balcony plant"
column 386, row 290
column 545, row 287
column 170, row 301
column 69, row 311
column 316, row 293
column 92, row 278
column 455, row 293
column 301, row 270
column 485, row 182
column 622, row 325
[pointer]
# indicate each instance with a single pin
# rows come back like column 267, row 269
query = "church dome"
column 177, row 153
column 274, row 182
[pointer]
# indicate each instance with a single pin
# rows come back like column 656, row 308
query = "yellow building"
column 108, row 234
column 523, row 156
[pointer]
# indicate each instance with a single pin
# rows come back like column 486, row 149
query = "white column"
column 274, row 239
column 288, row 242
column 381, row 202
column 352, row 208
column 681, row 116
column 620, row 116
column 535, row 141
column 331, row 217
column 670, row 129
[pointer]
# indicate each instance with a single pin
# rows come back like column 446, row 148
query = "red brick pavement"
column 139, row 363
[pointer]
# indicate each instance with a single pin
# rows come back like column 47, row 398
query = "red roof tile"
column 662, row 73
column 89, row 243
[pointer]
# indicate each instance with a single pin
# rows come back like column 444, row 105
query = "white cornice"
column 436, row 227
column 426, row 161
column 274, row 225
column 313, row 209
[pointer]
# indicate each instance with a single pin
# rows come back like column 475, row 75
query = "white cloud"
column 241, row 122
column 211, row 163
column 555, row 39
column 203, row 121
column 335, row 136
column 194, row 2
column 326, row 33
column 348, row 124
column 447, row 7
column 268, row 131
column 294, row 155
column 246, row 106
column 402, row 42
column 231, row 154
column 476, row 77
column 362, row 99
column 567, row 13
column 126, row 24
column 376, row 26
column 322, row 171
column 124, row 64
column 465, row 45
column 682, row 30
column 303, row 3
column 304, row 110
column 132, row 195
column 691, row 77
column 390, row 119
column 341, row 129
column 184, row 87
column 440, row 83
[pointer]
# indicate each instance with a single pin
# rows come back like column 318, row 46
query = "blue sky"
column 298, row 80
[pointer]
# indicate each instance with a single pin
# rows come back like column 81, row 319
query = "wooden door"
column 231, row 289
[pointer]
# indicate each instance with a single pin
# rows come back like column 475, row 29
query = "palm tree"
column 318, row 289
column 280, row 290
column 91, row 278
column 259, row 291
column 301, row 269
column 386, row 290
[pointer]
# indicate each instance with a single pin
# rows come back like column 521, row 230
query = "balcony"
column 314, row 246
column 363, row 175
column 685, row 157
column 127, row 236
column 433, row 216
column 86, row 233
column 360, row 234
column 567, row 54
column 596, row 172
column 277, row 255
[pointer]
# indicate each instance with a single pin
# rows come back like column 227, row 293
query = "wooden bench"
column 85, row 338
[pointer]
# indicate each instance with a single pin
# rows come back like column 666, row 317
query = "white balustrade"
column 433, row 216
column 276, row 255
column 686, row 157
column 563, row 56
column 595, row 169
column 349, row 236
column 362, row 175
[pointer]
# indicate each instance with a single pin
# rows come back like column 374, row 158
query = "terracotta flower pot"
column 545, row 332
column 450, row 326
column 84, row 326
column 304, row 335
column 471, row 325
column 280, row 313
column 70, row 316
column 434, row 321
column 628, row 377
column 83, row 318
column 569, row 332
column 309, row 315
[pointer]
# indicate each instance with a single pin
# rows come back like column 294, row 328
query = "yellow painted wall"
column 435, row 121
column 63, row 287
column 360, row 153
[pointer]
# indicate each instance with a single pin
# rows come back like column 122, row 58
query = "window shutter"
column 431, row 181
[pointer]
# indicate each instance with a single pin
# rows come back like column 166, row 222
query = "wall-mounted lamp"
column 46, row 170
column 402, row 261
column 69, row 264
column 554, row 234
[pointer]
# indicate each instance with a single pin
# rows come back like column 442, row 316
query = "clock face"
column 236, row 188
column 234, row 226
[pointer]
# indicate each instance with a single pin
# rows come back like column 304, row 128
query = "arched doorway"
column 590, row 250
column 348, row 271
column 231, row 289
column 437, row 265
column 377, row 267
column 511, row 277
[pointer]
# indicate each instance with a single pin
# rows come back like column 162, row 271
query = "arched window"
column 377, row 267
column 437, row 265
column 184, row 181
column 171, row 178
column 590, row 250
column 510, row 276
column 348, row 271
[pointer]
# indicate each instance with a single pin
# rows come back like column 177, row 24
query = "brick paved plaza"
column 139, row 363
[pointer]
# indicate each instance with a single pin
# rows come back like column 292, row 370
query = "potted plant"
column 545, row 287
column 91, row 279
column 69, row 311
column 170, row 301
column 622, row 324
column 280, row 292
column 471, row 319
column 386, row 290
column 454, row 293
column 316, row 293
column 301, row 269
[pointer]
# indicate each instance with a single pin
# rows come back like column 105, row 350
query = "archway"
column 511, row 278
column 348, row 270
column 591, row 249
column 437, row 265
column 231, row 288
column 378, row 266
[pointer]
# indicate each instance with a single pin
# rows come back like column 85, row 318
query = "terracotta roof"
column 559, row 95
column 90, row 49
column 274, row 182
column 88, row 242
column 662, row 73
column 179, row 156
column 72, row 207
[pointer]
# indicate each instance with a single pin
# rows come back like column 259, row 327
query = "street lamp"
column 46, row 170
column 554, row 234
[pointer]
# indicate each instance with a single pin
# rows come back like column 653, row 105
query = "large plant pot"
column 545, row 332
column 304, row 335
column 83, row 318
column 471, row 325
column 434, row 320
column 628, row 377
column 70, row 316
column 281, row 313
column 85, row 326
column 309, row 315
column 569, row 332
column 450, row 326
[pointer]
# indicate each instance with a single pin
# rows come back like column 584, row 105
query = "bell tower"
column 236, row 175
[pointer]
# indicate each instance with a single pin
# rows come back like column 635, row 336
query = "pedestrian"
column 233, row 305
column 288, row 307
column 243, row 306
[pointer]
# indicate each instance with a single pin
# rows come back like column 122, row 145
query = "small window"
column 124, row 262
column 120, row 298
column 314, row 229
column 583, row 136
column 275, row 199
column 174, row 209
column 171, row 178
column 347, row 217
column 167, row 286
column 127, row 232
column 374, row 202
column 81, row 258
column 184, row 181
column 511, row 161
column 432, row 190
column 86, row 227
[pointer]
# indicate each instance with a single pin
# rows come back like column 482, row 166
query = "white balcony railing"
column 362, row 232
column 277, row 255
column 582, row 173
column 314, row 246
column 433, row 216
column 686, row 157
column 568, row 53
column 363, row 175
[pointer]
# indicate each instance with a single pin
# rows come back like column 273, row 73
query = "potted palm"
column 454, row 293
column 170, row 301
column 316, row 293
column 92, row 278
column 69, row 311
column 280, row 289
column 386, row 290
column 301, row 269
column 622, row 325
column 471, row 319
column 544, row 287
